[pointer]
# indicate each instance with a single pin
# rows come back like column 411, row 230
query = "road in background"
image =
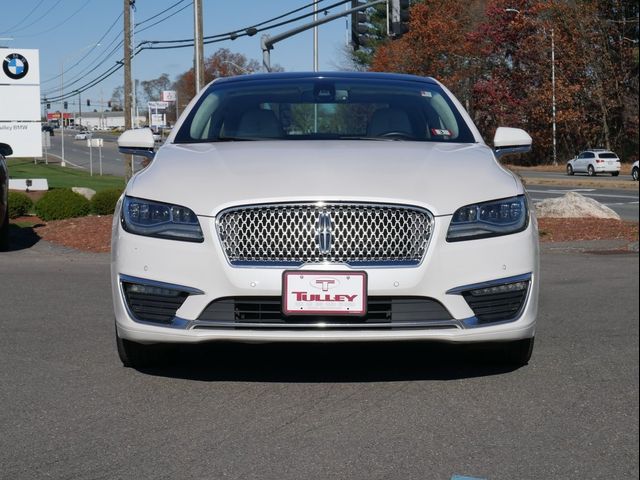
column 406, row 411
column 76, row 153
column 623, row 202
column 625, row 175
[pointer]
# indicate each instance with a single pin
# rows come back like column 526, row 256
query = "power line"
column 24, row 18
column 102, row 59
column 232, row 35
column 161, row 20
column 159, row 13
column 87, row 54
column 211, row 39
column 42, row 16
column 55, row 27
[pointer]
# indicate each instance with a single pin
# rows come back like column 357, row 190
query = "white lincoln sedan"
column 324, row 207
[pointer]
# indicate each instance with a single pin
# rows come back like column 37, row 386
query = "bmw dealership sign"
column 20, row 101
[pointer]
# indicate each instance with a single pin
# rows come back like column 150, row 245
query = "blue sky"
column 64, row 30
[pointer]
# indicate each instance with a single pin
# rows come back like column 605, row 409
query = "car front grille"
column 351, row 233
column 382, row 312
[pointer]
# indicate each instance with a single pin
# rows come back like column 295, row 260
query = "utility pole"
column 198, row 45
column 553, row 95
column 128, row 159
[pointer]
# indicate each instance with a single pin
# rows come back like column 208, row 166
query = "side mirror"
column 509, row 141
column 137, row 142
column 5, row 150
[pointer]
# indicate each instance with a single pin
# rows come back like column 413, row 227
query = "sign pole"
column 89, row 143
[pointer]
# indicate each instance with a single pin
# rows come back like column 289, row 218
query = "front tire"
column 569, row 170
column 136, row 355
column 634, row 174
column 591, row 171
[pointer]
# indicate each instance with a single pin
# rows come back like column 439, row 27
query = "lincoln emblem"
column 324, row 237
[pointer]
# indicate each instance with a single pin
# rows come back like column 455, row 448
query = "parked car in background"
column 594, row 161
column 82, row 136
column 5, row 151
column 47, row 128
column 251, row 224
column 634, row 170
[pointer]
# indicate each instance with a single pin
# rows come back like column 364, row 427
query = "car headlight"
column 155, row 219
column 489, row 219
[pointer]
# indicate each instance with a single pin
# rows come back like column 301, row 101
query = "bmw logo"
column 15, row 66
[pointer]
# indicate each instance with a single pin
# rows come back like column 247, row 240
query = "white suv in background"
column 594, row 161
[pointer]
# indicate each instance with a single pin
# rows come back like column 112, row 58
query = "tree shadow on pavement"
column 331, row 363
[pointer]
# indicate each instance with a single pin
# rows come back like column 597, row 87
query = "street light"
column 63, row 163
column 553, row 85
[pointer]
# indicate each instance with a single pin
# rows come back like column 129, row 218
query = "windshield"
column 324, row 109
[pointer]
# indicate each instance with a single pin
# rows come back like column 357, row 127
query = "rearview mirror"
column 137, row 142
column 5, row 150
column 509, row 141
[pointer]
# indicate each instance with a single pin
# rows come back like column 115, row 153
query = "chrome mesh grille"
column 355, row 234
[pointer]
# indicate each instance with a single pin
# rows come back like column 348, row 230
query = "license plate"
column 324, row 293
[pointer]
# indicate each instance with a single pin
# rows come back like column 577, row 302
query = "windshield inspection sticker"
column 440, row 131
column 425, row 93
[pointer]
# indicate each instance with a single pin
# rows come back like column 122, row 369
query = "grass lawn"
column 59, row 177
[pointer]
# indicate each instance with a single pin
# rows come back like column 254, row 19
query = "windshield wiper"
column 235, row 139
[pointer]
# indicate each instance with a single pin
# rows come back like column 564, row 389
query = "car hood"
column 209, row 177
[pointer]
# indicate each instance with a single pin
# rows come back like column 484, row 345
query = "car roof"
column 598, row 150
column 321, row 75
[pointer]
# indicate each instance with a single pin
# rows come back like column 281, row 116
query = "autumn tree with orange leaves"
column 496, row 57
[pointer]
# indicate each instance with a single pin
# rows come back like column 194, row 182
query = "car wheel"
column 4, row 233
column 634, row 174
column 569, row 170
column 591, row 171
column 137, row 355
column 518, row 352
column 615, row 174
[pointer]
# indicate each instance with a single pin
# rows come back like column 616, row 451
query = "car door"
column 589, row 159
column 579, row 164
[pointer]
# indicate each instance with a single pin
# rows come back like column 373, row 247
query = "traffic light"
column 88, row 102
column 48, row 106
column 65, row 104
column 109, row 103
column 399, row 21
column 359, row 26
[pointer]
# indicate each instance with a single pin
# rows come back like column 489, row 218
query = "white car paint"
column 210, row 177
column 593, row 162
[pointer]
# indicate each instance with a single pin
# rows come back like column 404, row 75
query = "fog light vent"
column 497, row 302
column 152, row 303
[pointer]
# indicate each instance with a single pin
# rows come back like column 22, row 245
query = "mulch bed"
column 577, row 229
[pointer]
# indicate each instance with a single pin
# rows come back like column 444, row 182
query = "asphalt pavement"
column 403, row 411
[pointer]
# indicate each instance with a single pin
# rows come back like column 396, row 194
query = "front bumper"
column 445, row 270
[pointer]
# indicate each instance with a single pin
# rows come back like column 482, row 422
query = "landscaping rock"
column 87, row 193
column 574, row 205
